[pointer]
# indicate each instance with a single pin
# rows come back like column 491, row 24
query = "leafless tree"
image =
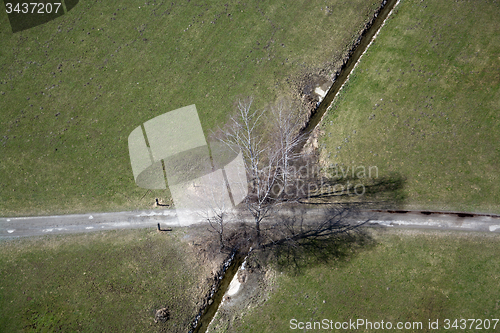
column 287, row 141
column 216, row 222
column 268, row 163
column 215, row 206
column 242, row 135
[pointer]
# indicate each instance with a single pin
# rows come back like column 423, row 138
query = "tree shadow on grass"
column 380, row 192
column 302, row 238
column 325, row 226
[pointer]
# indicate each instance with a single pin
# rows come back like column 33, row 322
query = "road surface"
column 15, row 227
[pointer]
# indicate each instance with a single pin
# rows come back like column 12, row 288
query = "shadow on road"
column 298, row 239
column 322, row 225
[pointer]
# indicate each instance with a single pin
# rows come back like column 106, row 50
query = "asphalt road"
column 436, row 220
column 76, row 223
column 14, row 227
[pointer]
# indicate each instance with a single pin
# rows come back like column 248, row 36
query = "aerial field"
column 110, row 281
column 74, row 88
column 402, row 277
column 424, row 103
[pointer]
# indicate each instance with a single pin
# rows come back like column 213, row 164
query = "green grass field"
column 100, row 282
column 424, row 102
column 407, row 276
column 73, row 89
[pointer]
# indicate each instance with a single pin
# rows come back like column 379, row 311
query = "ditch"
column 231, row 266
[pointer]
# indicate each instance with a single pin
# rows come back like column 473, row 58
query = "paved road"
column 76, row 223
column 431, row 220
column 41, row 225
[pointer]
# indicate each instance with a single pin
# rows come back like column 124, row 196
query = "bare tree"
column 268, row 163
column 216, row 221
column 260, row 164
column 287, row 141
column 215, row 205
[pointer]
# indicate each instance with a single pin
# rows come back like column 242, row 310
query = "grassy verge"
column 424, row 103
column 407, row 276
column 73, row 89
column 100, row 282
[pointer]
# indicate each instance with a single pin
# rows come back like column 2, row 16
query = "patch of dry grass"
column 103, row 281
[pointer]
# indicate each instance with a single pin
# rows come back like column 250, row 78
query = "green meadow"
column 73, row 89
column 100, row 282
column 424, row 103
column 403, row 276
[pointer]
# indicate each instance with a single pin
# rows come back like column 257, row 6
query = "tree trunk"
column 257, row 227
column 221, row 241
